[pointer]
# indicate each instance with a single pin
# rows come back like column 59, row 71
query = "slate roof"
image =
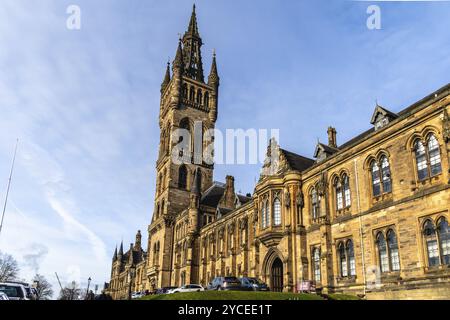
column 212, row 196
column 296, row 161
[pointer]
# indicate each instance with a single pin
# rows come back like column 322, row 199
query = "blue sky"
column 85, row 103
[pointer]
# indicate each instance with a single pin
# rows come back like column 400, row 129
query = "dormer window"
column 382, row 117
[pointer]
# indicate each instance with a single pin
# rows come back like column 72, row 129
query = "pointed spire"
column 193, row 27
column 178, row 61
column 115, row 254
column 166, row 78
column 213, row 75
column 121, row 249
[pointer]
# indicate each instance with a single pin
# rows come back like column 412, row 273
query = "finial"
column 214, row 52
column 193, row 7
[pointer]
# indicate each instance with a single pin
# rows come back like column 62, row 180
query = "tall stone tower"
column 188, row 103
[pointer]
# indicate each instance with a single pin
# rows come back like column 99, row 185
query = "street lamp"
column 130, row 279
column 87, row 290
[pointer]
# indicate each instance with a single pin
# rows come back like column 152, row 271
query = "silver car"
column 14, row 291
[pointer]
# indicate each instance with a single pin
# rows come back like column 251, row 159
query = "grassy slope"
column 233, row 295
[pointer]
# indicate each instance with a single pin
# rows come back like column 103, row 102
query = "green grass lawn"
column 244, row 295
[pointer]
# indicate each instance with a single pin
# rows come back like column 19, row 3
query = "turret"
column 214, row 81
column 115, row 254
column 166, row 79
column 137, row 244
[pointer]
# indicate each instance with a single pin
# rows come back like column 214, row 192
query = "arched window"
column 431, row 241
column 386, row 174
column 315, row 204
column 199, row 96
column 277, row 212
column 185, row 91
column 347, row 196
column 444, row 240
column 339, row 196
column 382, row 252
column 162, row 207
column 376, row 180
column 184, row 140
column 393, row 250
column 435, row 156
column 157, row 211
column 263, row 215
column 342, row 260
column 421, row 160
column 182, row 177
column 191, row 93
column 206, row 103
column 316, row 264
column 351, row 258
column 267, row 210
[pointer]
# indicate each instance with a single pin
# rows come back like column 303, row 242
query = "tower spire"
column 192, row 43
column 115, row 254
column 213, row 78
column 166, row 78
column 121, row 249
column 193, row 27
column 178, row 61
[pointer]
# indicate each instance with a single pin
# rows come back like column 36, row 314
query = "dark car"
column 226, row 283
column 254, row 284
column 164, row 290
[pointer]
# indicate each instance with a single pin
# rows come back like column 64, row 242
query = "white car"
column 137, row 295
column 14, row 291
column 3, row 296
column 189, row 288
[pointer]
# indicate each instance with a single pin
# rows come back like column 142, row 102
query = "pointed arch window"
column 185, row 91
column 315, row 204
column 192, row 93
column 267, row 211
column 393, row 250
column 339, row 195
column 386, row 174
column 428, row 158
column 435, row 156
column 444, row 240
column 342, row 260
column 263, row 215
column 432, row 245
column 199, row 96
column 316, row 264
column 376, row 181
column 182, row 177
column 347, row 195
column 421, row 160
column 277, row 212
column 382, row 252
column 206, row 103
column 351, row 258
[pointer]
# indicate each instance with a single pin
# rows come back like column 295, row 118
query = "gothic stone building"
column 369, row 216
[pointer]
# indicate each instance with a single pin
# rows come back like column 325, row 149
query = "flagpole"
column 9, row 185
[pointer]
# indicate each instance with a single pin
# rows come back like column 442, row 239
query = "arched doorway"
column 276, row 275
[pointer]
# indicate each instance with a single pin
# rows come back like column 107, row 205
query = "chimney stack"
column 228, row 197
column 332, row 142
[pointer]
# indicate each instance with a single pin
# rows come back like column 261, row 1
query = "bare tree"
column 43, row 287
column 70, row 292
column 9, row 269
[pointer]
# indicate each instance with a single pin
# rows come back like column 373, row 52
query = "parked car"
column 31, row 292
column 164, row 290
column 14, row 291
column 188, row 288
column 254, row 284
column 226, row 283
column 3, row 296
column 137, row 295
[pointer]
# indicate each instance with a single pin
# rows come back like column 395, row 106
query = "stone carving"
column 300, row 199
column 446, row 126
column 322, row 185
column 287, row 198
